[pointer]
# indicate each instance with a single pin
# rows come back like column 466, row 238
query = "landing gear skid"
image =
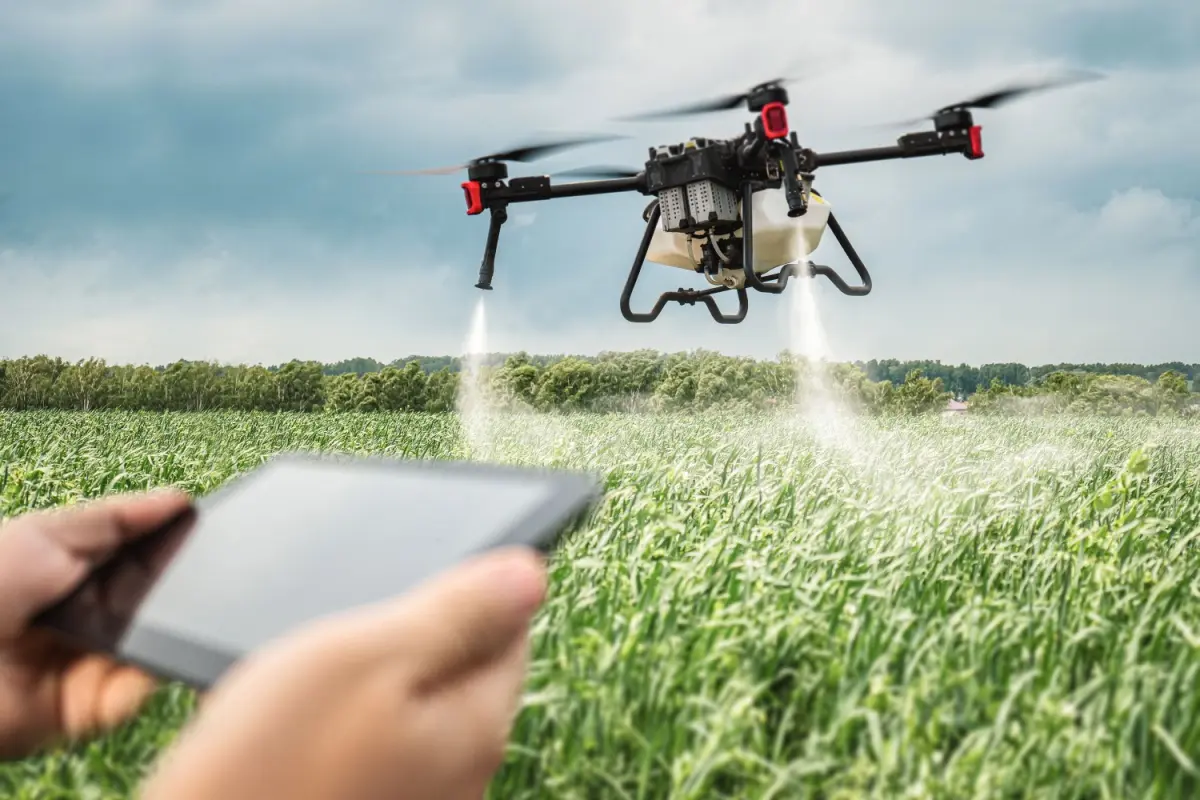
column 682, row 296
column 772, row 284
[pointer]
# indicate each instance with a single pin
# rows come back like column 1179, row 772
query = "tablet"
column 301, row 537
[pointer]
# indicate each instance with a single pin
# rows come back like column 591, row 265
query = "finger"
column 125, row 693
column 34, row 572
column 98, row 693
column 45, row 555
column 467, row 616
column 486, row 703
column 93, row 530
column 495, row 691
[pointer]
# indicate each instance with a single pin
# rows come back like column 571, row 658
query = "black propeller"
column 725, row 103
column 1007, row 94
column 530, row 152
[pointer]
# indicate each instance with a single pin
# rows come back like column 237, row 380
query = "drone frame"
column 767, row 156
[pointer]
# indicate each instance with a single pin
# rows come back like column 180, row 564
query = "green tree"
column 1171, row 389
column 566, row 384
column 343, row 392
column 29, row 382
column 82, row 386
column 299, row 387
column 516, row 380
column 920, row 395
column 402, row 389
column 677, row 388
column 441, row 390
column 139, row 388
column 624, row 378
column 611, row 381
column 191, row 386
column 248, row 388
column 1172, row 383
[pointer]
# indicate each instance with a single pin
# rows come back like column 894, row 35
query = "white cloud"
column 1119, row 283
column 223, row 306
column 1150, row 212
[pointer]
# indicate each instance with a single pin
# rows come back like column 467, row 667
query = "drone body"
column 733, row 210
column 778, row 238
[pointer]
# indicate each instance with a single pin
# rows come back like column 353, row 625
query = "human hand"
column 49, row 691
column 410, row 698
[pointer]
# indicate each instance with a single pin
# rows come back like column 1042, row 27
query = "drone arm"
column 588, row 188
column 858, row 156
column 538, row 187
column 495, row 197
column 912, row 145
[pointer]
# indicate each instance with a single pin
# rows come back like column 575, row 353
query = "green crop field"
column 923, row 607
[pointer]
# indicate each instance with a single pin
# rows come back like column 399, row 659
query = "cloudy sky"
column 184, row 179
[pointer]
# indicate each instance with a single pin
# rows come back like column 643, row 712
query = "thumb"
column 45, row 554
column 468, row 616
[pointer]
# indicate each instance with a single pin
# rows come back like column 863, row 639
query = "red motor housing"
column 474, row 197
column 774, row 120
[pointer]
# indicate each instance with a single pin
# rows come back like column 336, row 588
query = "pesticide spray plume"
column 474, row 406
column 821, row 407
column 845, row 444
column 904, row 467
column 500, row 428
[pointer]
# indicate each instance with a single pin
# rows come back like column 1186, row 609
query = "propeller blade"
column 532, row 152
column 431, row 171
column 1000, row 97
column 601, row 172
column 724, row 103
column 529, row 152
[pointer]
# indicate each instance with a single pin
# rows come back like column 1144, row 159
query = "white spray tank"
column 778, row 238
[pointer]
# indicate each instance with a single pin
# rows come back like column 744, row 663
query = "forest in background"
column 629, row 381
column 959, row 379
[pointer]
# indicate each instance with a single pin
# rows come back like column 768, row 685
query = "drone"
column 741, row 211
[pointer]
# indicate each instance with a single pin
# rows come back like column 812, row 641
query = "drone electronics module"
column 734, row 210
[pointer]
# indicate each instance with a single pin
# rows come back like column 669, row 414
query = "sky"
column 189, row 179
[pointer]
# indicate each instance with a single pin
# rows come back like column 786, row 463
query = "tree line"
column 959, row 379
column 638, row 380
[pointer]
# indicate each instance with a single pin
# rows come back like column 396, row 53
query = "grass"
column 763, row 609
